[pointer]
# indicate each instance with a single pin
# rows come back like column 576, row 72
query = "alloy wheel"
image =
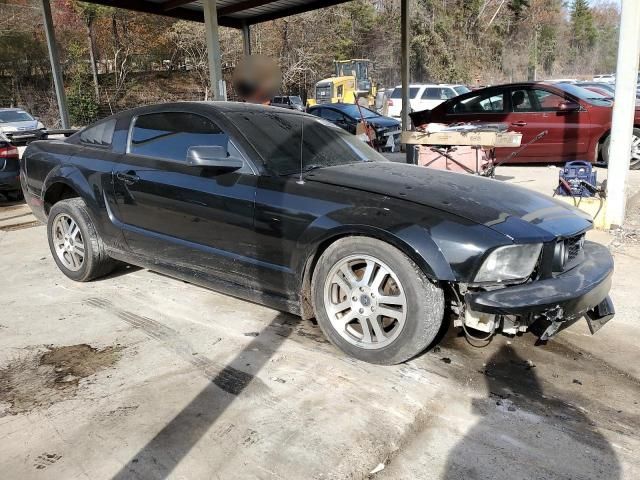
column 635, row 152
column 365, row 301
column 68, row 242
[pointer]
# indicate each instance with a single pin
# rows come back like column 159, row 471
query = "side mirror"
column 568, row 106
column 212, row 156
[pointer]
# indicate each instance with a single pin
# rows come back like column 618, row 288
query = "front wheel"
column 634, row 163
column 379, row 311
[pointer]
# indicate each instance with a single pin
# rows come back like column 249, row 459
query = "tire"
column 395, row 285
column 634, row 163
column 67, row 245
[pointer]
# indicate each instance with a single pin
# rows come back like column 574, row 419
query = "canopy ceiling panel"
column 231, row 13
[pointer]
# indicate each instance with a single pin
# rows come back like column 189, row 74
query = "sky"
column 594, row 2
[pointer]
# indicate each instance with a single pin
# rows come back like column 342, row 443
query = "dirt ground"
column 142, row 376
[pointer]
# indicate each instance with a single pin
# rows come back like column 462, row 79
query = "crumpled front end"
column 560, row 292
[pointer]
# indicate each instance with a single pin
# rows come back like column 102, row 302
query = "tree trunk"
column 92, row 55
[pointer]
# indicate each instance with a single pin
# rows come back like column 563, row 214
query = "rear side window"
column 489, row 102
column 397, row 92
column 168, row 135
column 100, row 135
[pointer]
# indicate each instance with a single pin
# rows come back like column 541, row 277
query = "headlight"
column 512, row 262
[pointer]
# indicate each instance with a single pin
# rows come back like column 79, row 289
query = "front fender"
column 412, row 240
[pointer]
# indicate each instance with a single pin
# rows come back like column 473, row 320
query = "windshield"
column 323, row 91
column 277, row 138
column 295, row 100
column 352, row 111
column 583, row 94
column 15, row 116
column 461, row 89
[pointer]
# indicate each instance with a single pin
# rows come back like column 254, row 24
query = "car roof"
column 216, row 106
column 418, row 85
column 12, row 110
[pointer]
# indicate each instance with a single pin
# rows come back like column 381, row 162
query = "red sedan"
column 578, row 121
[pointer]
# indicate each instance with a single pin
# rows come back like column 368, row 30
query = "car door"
column 535, row 110
column 172, row 212
column 339, row 119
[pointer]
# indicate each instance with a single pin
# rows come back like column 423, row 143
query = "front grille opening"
column 567, row 252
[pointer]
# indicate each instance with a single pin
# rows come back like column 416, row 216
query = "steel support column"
column 623, row 111
column 54, row 60
column 404, row 62
column 246, row 38
column 218, row 89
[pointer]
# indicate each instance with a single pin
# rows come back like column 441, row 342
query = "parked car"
column 19, row 126
column 606, row 78
column 347, row 116
column 600, row 91
column 423, row 96
column 292, row 102
column 577, row 120
column 610, row 88
column 287, row 210
column 9, row 169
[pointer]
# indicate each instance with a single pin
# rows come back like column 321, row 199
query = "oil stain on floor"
column 42, row 379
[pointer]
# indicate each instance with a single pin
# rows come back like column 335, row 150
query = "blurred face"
column 257, row 79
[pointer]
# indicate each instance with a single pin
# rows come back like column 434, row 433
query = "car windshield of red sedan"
column 583, row 94
column 282, row 139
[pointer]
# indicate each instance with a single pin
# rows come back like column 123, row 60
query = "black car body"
column 9, row 166
column 348, row 115
column 217, row 194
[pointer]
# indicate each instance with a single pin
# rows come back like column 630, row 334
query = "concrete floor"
column 141, row 376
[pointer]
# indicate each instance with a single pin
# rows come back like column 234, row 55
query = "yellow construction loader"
column 350, row 83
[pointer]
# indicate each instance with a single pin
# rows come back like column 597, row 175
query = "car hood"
column 17, row 126
column 520, row 214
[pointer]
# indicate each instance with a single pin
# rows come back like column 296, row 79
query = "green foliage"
column 583, row 31
column 83, row 108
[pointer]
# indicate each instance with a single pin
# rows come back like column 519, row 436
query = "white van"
column 423, row 96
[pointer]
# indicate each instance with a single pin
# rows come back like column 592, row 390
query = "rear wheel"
column 75, row 245
column 634, row 163
column 379, row 311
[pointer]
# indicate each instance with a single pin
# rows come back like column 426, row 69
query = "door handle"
column 128, row 177
column 519, row 123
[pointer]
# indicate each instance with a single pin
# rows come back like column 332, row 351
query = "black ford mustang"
column 281, row 208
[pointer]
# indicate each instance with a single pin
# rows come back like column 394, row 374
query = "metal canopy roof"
column 231, row 13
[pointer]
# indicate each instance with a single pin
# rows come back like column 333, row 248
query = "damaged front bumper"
column 581, row 291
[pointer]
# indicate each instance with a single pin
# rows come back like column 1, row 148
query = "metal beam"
column 240, row 6
column 246, row 38
column 171, row 4
column 54, row 59
column 295, row 10
column 213, row 49
column 404, row 61
column 623, row 111
column 158, row 9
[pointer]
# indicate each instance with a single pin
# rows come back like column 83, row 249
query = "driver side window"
column 169, row 135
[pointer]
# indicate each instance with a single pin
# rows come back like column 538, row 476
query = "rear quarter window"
column 99, row 135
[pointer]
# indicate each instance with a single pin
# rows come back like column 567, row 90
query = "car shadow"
column 159, row 457
column 507, row 442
